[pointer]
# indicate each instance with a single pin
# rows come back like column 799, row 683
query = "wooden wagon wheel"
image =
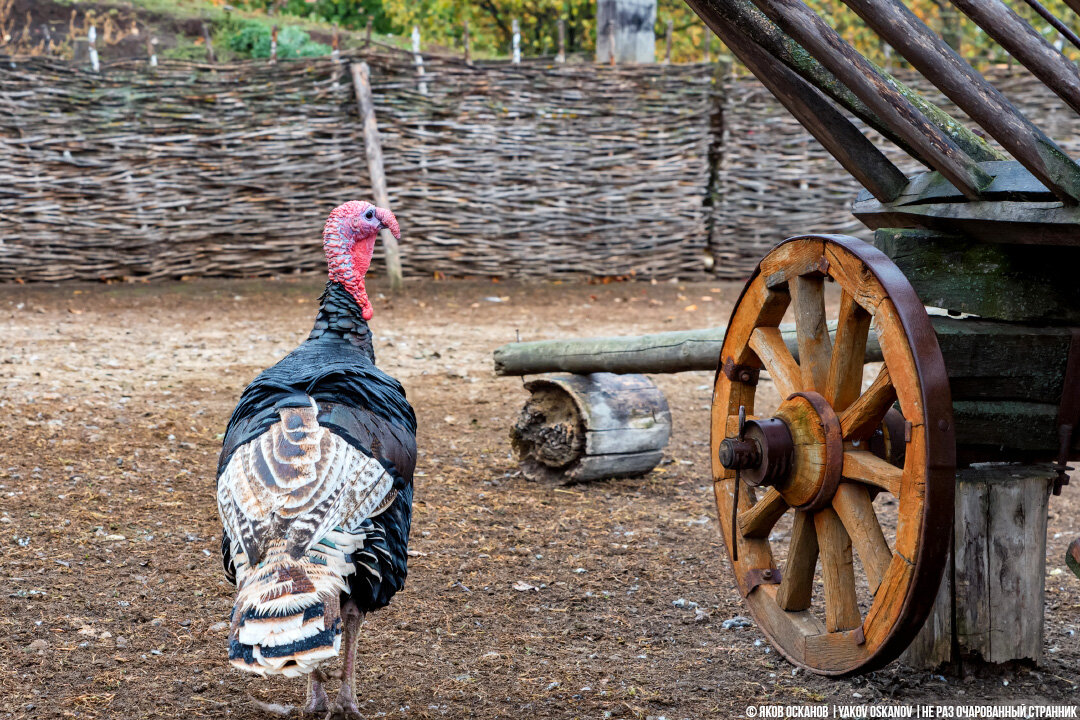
column 830, row 449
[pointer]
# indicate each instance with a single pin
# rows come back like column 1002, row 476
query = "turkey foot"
column 316, row 694
column 344, row 706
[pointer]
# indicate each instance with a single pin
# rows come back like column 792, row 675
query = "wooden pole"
column 273, row 45
column 373, row 148
column 708, row 38
column 151, row 50
column 335, row 52
column 367, row 34
column 667, row 40
column 679, row 351
column 418, row 59
column 560, row 56
column 465, row 42
column 209, row 43
column 517, row 42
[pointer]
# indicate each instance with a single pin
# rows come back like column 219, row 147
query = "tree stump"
column 575, row 428
column 990, row 603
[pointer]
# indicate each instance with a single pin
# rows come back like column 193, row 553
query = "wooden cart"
column 988, row 238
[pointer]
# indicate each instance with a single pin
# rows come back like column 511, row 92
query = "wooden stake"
column 373, row 148
column 367, row 34
column 273, row 45
column 560, row 56
column 418, row 59
column 95, row 63
column 667, row 40
column 708, row 42
column 465, row 41
column 151, row 50
column 209, row 44
column 611, row 41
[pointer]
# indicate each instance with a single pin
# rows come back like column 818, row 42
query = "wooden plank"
column 889, row 601
column 1006, row 282
column 373, row 148
column 844, row 383
column 864, row 416
column 773, row 352
column 758, row 520
column 788, row 629
column 836, row 649
column 811, row 330
column 837, row 572
column 855, row 509
column 797, row 583
column 866, row 467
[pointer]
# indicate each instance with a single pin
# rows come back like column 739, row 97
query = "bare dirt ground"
column 113, row 603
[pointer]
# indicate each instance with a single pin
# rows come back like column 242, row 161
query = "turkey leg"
column 345, row 704
column 316, row 693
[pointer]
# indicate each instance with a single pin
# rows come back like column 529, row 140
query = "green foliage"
column 252, row 39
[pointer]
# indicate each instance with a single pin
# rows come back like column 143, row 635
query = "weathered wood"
column 837, row 572
column 751, row 23
column 856, row 510
column 373, row 148
column 973, row 94
column 843, row 140
column 933, row 645
column 586, row 427
column 846, row 366
column 1000, row 550
column 897, row 111
column 1003, row 282
column 797, row 584
column 758, row 520
column 1027, row 45
column 1072, row 557
column 867, row 468
column 625, row 31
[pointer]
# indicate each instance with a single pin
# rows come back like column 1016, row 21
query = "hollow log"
column 588, row 427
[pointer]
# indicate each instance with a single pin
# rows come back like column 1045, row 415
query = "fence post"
column 273, row 45
column 367, row 36
column 335, row 52
column 667, row 41
column 708, row 38
column 418, row 59
column 361, row 76
column 95, row 63
column 151, row 50
column 517, row 41
column 465, row 41
column 560, row 56
column 209, row 44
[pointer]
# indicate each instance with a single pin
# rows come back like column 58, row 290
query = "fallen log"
column 668, row 352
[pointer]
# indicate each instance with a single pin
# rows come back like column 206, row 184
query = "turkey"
column 315, row 484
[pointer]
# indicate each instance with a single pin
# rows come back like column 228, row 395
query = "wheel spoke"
column 866, row 467
column 838, row 573
column 758, row 520
column 797, row 584
column 864, row 416
column 846, row 366
column 815, row 346
column 853, row 506
column 769, row 345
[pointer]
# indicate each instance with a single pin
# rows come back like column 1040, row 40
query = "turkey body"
column 314, row 488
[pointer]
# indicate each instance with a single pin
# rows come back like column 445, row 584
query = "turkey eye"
column 369, row 214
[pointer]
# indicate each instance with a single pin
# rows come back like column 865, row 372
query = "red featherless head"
column 349, row 240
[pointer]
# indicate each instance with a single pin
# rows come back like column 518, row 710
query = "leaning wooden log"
column 575, row 428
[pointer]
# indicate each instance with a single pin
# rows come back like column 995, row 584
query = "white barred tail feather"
column 295, row 498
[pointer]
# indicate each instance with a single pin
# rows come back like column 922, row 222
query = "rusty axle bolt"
column 738, row 454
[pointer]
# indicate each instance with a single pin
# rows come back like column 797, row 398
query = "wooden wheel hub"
column 799, row 452
column 832, row 447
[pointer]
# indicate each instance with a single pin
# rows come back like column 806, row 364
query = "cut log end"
column 575, row 428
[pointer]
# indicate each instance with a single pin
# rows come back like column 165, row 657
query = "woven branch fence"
column 530, row 170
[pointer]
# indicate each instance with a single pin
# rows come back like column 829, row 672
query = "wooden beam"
column 837, row 573
column 897, row 111
column 971, row 92
column 1027, row 45
column 752, row 24
column 361, row 76
column 844, row 141
column 797, row 583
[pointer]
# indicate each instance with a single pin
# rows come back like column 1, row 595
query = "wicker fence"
column 530, row 170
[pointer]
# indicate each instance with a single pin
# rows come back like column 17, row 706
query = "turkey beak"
column 388, row 221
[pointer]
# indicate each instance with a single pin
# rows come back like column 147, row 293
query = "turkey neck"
column 339, row 318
